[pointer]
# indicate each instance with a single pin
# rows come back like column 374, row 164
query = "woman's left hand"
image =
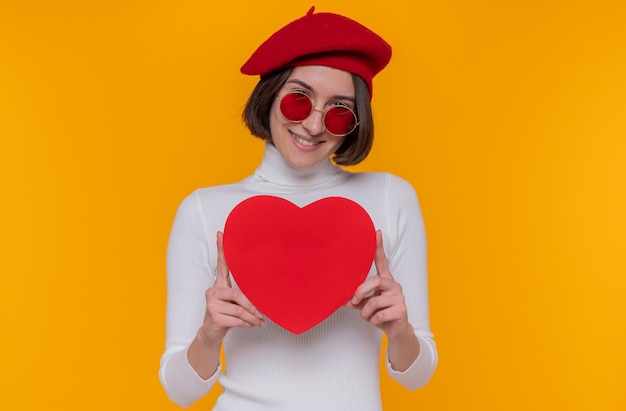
column 385, row 308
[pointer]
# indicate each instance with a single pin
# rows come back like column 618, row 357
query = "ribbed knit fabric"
column 333, row 366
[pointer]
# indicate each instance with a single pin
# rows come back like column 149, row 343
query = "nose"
column 314, row 123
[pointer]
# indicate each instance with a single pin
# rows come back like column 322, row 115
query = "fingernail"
column 262, row 323
column 355, row 300
column 258, row 314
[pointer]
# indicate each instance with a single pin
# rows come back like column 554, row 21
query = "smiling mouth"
column 306, row 143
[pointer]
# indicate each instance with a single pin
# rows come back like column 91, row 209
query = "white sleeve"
column 407, row 257
column 188, row 277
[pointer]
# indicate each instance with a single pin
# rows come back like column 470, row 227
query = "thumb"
column 223, row 279
column 380, row 259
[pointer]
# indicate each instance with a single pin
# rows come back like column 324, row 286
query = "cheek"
column 338, row 141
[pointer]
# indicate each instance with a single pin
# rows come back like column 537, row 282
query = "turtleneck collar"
column 274, row 169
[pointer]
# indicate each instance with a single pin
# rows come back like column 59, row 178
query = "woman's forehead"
column 323, row 80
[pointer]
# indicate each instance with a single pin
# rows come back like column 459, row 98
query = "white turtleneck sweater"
column 333, row 366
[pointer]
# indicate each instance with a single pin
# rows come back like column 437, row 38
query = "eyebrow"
column 311, row 89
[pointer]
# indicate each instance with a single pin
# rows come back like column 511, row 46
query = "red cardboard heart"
column 299, row 265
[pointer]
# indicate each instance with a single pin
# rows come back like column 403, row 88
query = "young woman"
column 312, row 107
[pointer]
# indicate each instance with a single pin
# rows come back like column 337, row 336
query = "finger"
column 375, row 286
column 374, row 305
column 365, row 289
column 222, row 321
column 225, row 314
column 223, row 279
column 357, row 305
column 218, row 295
column 388, row 315
column 380, row 259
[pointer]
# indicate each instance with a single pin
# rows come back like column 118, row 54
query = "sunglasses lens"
column 339, row 121
column 295, row 106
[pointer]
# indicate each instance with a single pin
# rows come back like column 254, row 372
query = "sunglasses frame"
column 313, row 108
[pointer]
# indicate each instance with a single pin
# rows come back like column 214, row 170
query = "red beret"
column 324, row 39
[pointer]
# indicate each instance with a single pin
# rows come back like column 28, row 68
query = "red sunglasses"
column 339, row 120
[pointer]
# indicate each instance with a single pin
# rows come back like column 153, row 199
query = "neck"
column 275, row 169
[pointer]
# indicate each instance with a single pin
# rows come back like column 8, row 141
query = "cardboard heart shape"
column 299, row 265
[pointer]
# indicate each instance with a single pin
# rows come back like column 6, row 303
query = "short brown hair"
column 356, row 146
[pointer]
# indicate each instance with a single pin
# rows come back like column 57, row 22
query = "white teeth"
column 306, row 142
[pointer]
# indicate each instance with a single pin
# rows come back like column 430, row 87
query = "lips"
column 306, row 143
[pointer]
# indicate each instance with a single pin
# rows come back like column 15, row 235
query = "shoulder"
column 390, row 183
column 218, row 193
column 215, row 202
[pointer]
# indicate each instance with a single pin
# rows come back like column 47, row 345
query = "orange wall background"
column 508, row 117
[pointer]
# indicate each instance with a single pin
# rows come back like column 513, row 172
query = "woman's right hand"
column 226, row 307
